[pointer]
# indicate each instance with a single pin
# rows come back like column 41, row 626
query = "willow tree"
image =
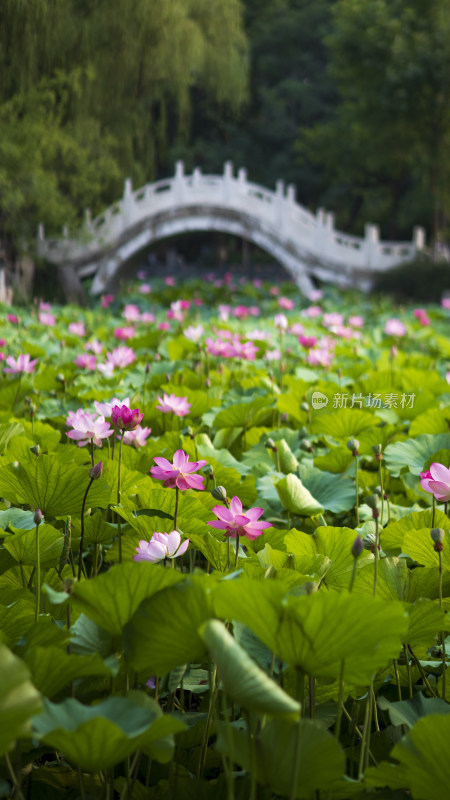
column 93, row 92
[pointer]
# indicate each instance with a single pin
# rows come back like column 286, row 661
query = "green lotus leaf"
column 296, row 498
column 19, row 700
column 22, row 546
column 414, row 453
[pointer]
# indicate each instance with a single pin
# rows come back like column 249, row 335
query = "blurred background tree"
column 348, row 99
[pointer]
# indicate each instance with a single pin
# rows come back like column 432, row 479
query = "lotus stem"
column 80, row 557
column 298, row 739
column 175, row 513
column 119, row 529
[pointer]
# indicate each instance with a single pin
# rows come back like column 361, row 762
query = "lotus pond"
column 224, row 546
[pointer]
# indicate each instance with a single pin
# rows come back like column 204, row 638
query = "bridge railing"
column 294, row 225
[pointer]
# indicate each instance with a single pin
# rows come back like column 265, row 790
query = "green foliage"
column 19, row 700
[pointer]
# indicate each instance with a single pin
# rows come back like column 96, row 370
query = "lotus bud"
column 38, row 516
column 285, row 417
column 157, row 357
column 304, row 407
column 36, row 450
column 372, row 500
column 437, row 534
column 357, row 547
column 167, row 377
column 219, row 493
column 377, row 450
column 207, row 383
column 353, row 445
column 96, row 471
column 147, row 369
column 369, row 541
column 393, row 353
column 377, row 491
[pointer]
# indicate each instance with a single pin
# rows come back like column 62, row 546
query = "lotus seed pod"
column 305, row 444
column 377, row 491
column 353, row 445
column 96, row 471
column 304, row 407
column 437, row 534
column 438, row 547
column 270, row 444
column 36, row 450
column 372, row 500
column 357, row 547
column 219, row 493
column 38, row 516
column 60, row 378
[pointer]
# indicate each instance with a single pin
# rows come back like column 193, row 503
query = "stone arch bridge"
column 305, row 244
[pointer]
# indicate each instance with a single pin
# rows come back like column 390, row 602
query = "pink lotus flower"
column 125, row 333
column 254, row 311
column 95, row 346
column 445, row 302
column 240, row 312
column 105, row 409
column 286, row 303
column 436, row 480
column 3, row 342
column 87, row 429
column 180, row 472
column 257, row 283
column 141, row 275
column 138, row 437
column 161, row 546
column 106, row 300
column 171, row 404
column 422, row 316
column 235, row 523
column 2, row 357
column 356, row 321
column 21, row 364
column 169, row 281
column 122, row 356
column 47, row 319
column 164, row 326
column 126, row 419
column 297, row 329
column 194, row 332
column 333, row 318
column 315, row 295
column 320, row 357
column 147, row 316
column 86, row 361
column 131, row 313
column 12, row 318
column 44, row 306
column 447, row 377
column 307, row 341
column 145, row 288
column 77, row 328
column 394, row 327
column 274, row 290
column 280, row 322
column 197, row 301
column 312, row 311
column 273, row 355
column 224, row 312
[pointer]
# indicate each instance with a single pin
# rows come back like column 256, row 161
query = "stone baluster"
column 371, row 241
column 279, row 205
column 127, row 204
column 227, row 182
column 419, row 237
column 179, row 183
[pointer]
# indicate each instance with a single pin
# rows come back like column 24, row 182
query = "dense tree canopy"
column 348, row 99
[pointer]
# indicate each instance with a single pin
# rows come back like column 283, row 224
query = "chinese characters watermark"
column 371, row 400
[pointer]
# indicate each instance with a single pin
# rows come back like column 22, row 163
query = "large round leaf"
column 296, row 498
column 19, row 699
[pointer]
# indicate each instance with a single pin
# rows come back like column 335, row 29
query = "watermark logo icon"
column 319, row 400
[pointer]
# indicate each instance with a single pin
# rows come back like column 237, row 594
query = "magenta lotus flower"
column 124, row 333
column 436, row 480
column 12, row 318
column 86, row 429
column 47, row 319
column 171, row 404
column 394, row 327
column 126, row 419
column 138, row 437
column 307, row 341
column 95, row 346
column 106, row 300
column 180, row 472
column 21, row 364
column 235, row 523
column 161, row 546
column 147, row 316
column 121, row 356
